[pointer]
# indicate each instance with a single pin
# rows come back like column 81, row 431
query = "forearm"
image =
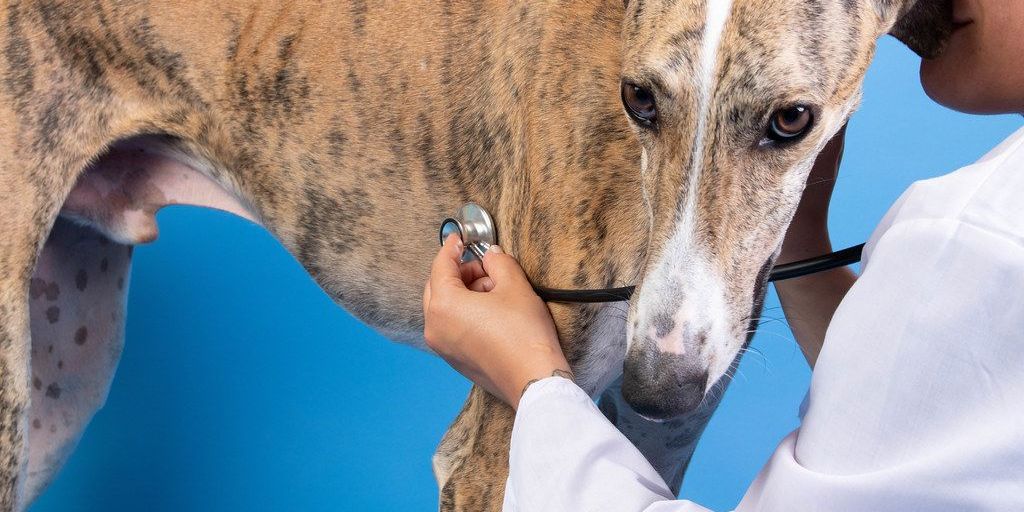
column 565, row 455
column 809, row 303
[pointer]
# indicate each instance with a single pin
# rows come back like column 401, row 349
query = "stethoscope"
column 476, row 228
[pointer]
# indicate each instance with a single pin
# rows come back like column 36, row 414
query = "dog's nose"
column 659, row 385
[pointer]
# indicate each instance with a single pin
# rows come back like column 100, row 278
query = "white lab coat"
column 917, row 399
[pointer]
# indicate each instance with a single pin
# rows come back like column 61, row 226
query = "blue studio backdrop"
column 243, row 387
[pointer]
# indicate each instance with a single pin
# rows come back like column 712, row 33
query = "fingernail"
column 496, row 249
column 458, row 240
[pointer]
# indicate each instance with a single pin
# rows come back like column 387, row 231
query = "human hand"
column 807, row 235
column 488, row 323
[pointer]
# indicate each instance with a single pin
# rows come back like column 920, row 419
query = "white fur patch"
column 644, row 164
column 602, row 364
column 717, row 13
column 685, row 269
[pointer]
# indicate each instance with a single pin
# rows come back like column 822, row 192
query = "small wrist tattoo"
column 565, row 374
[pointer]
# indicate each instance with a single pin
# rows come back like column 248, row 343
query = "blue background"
column 243, row 387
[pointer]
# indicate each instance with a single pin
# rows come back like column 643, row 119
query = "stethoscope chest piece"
column 476, row 228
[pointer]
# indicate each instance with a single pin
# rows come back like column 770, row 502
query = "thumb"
column 445, row 272
column 502, row 268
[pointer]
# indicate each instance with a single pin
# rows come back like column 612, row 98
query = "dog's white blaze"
column 717, row 13
column 687, row 272
column 683, row 262
column 644, row 162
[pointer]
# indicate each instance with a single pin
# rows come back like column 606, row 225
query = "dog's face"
column 731, row 102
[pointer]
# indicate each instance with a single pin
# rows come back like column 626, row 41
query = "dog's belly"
column 79, row 287
column 77, row 305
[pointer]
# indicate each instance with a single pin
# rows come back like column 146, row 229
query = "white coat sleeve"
column 566, row 456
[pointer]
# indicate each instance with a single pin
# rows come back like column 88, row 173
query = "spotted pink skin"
column 77, row 298
column 79, row 289
column 121, row 194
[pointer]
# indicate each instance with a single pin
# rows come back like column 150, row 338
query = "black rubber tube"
column 800, row 268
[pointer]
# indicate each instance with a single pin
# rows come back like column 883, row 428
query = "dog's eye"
column 639, row 103
column 789, row 124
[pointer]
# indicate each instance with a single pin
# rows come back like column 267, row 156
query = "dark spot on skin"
column 81, row 335
column 36, row 288
column 53, row 391
column 49, row 350
column 53, row 314
column 36, row 423
column 120, row 283
column 52, row 291
column 36, row 383
column 60, row 364
column 81, row 280
column 104, row 264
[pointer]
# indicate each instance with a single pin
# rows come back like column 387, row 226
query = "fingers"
column 503, row 268
column 472, row 270
column 483, row 284
column 445, row 272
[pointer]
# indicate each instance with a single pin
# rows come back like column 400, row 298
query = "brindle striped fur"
column 331, row 121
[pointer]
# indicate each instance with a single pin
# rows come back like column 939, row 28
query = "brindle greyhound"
column 327, row 122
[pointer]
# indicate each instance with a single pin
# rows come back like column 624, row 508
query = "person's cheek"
column 982, row 70
column 1006, row 60
column 956, row 78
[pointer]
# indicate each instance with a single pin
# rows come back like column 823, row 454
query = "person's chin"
column 951, row 83
column 938, row 83
column 963, row 88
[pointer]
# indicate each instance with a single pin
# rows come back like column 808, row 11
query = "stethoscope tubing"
column 792, row 270
column 473, row 222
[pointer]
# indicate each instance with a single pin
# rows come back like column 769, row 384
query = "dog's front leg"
column 23, row 214
column 471, row 463
column 14, row 373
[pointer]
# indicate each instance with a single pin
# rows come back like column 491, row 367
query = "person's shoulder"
column 988, row 194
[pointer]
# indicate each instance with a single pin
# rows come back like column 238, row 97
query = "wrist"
column 564, row 373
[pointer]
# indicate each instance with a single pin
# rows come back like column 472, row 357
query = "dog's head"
column 731, row 101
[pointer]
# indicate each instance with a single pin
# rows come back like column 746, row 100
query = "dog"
column 649, row 142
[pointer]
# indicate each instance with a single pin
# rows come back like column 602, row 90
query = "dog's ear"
column 924, row 27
